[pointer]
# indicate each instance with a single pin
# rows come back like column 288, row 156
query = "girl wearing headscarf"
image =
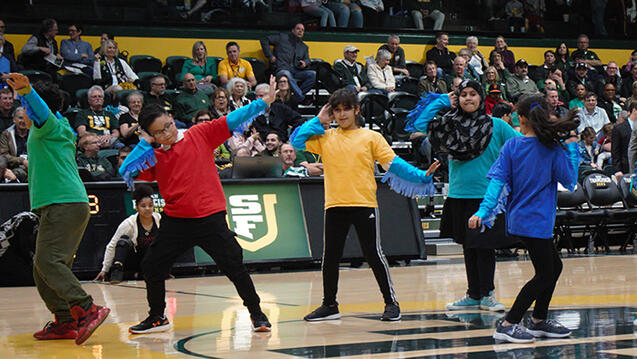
column 473, row 140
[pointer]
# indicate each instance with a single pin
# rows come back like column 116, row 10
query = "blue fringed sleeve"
column 426, row 109
column 141, row 158
column 36, row 108
column 493, row 203
column 304, row 132
column 408, row 180
column 572, row 153
column 245, row 113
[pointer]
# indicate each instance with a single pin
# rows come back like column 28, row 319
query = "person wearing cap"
column 494, row 97
column 582, row 76
column 590, row 57
column 352, row 73
column 520, row 84
column 397, row 60
column 431, row 82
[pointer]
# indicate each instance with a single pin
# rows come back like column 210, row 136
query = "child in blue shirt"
column 525, row 176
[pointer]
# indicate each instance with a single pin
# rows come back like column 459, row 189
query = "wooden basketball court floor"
column 596, row 297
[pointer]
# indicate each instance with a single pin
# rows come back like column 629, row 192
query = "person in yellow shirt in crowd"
column 235, row 66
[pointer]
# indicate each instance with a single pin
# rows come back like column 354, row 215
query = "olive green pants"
column 60, row 232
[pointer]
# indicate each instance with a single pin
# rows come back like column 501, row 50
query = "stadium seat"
column 82, row 98
column 216, row 59
column 68, row 100
column 72, row 82
column 404, row 100
column 407, row 84
column 396, row 126
column 145, row 63
column 259, row 69
column 173, row 66
column 601, row 194
column 35, row 76
column 416, row 69
column 630, row 205
column 375, row 111
column 326, row 77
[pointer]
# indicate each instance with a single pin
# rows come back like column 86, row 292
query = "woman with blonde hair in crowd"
column 111, row 72
column 203, row 68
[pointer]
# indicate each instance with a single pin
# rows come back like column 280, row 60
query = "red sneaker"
column 88, row 320
column 56, row 330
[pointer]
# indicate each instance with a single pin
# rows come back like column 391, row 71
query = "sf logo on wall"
column 253, row 219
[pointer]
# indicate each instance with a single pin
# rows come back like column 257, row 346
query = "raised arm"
column 310, row 128
column 37, row 109
column 408, row 180
column 245, row 113
column 426, row 109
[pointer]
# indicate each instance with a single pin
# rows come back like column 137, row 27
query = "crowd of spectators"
column 605, row 95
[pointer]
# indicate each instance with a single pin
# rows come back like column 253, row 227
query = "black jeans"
column 548, row 267
column 126, row 254
column 480, row 266
column 366, row 222
column 212, row 234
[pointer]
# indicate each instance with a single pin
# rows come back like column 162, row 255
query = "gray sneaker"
column 391, row 313
column 514, row 333
column 548, row 328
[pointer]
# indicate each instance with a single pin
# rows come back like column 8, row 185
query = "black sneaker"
column 324, row 312
column 152, row 324
column 548, row 328
column 260, row 323
column 391, row 313
column 117, row 273
column 513, row 333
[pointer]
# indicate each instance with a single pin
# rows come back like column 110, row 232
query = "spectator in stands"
column 132, row 238
column 459, row 69
column 372, row 12
column 514, row 10
column 220, row 102
column 633, row 97
column 627, row 88
column 591, row 115
column 204, row 68
column 346, row 11
column 235, row 66
column 103, row 37
column 563, row 59
column 496, row 61
column 554, row 80
column 421, row 9
column 494, row 97
column 582, row 76
column 469, row 71
column 291, row 57
column 351, row 72
column 580, row 95
column 590, row 58
column 36, row 51
column 190, row 100
column 507, row 56
column 122, row 153
column 588, row 147
column 431, row 82
column 6, row 108
column 492, row 78
column 77, row 51
column 555, row 106
column 100, row 167
column 158, row 95
column 13, row 144
column 380, row 74
column 397, row 59
column 238, row 90
column 520, row 84
column 272, row 145
column 285, row 94
column 631, row 62
column 455, row 83
column 611, row 74
column 316, row 9
column 6, row 175
column 279, row 117
column 609, row 101
column 288, row 157
column 619, row 147
column 503, row 111
column 250, row 140
column 7, row 61
column 6, row 48
column 112, row 72
column 542, row 72
column 477, row 61
column 128, row 122
column 441, row 55
column 202, row 116
column 97, row 120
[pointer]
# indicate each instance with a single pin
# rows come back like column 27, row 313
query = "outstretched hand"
column 325, row 115
column 271, row 95
column 433, row 167
column 475, row 222
column 18, row 81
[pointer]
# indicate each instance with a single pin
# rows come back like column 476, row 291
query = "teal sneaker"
column 491, row 304
column 463, row 303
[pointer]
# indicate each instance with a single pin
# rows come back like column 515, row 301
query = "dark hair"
column 549, row 51
column 47, row 25
column 79, row 27
column 218, row 90
column 149, row 114
column 590, row 94
column 232, row 43
column 51, row 94
column 278, row 135
column 557, row 52
column 202, row 113
column 550, row 131
column 631, row 107
column 125, row 149
column 501, row 109
column 607, row 129
column 109, row 35
column 345, row 97
column 431, row 62
column 632, row 53
column 142, row 191
column 6, row 91
column 440, row 34
column 588, row 132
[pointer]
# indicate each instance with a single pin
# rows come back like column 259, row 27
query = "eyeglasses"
column 221, row 98
column 96, row 96
column 165, row 132
column 282, row 81
column 159, row 84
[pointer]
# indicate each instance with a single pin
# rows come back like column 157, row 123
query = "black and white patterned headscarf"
column 463, row 135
